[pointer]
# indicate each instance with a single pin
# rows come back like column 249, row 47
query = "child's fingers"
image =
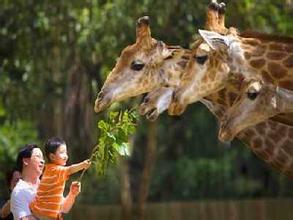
column 75, row 187
column 87, row 164
column 75, row 183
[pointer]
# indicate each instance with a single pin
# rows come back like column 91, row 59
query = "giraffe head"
column 206, row 73
column 257, row 103
column 156, row 102
column 139, row 69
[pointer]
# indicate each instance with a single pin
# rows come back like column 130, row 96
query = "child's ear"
column 51, row 157
column 215, row 40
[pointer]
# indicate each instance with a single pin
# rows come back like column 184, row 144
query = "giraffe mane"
column 266, row 37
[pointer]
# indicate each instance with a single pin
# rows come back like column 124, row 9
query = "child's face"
column 60, row 157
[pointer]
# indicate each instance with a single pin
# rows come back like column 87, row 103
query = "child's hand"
column 86, row 164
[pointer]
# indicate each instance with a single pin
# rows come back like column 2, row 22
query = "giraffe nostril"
column 224, row 124
column 146, row 100
column 175, row 98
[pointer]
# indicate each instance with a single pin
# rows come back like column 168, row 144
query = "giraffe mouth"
column 102, row 102
column 225, row 136
column 152, row 115
column 142, row 109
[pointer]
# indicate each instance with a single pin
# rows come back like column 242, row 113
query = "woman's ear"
column 25, row 161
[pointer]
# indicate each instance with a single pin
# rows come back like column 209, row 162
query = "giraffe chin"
column 226, row 135
column 176, row 109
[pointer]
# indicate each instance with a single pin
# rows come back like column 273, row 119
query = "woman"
column 12, row 178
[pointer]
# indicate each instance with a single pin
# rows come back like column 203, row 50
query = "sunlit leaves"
column 13, row 137
column 114, row 137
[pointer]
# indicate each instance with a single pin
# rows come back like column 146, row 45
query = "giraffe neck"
column 167, row 73
column 272, row 142
column 174, row 70
column 265, row 56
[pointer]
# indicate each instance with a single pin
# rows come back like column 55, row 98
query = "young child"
column 49, row 197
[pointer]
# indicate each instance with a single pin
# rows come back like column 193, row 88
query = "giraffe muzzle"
column 225, row 132
column 102, row 102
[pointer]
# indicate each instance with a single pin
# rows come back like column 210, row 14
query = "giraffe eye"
column 252, row 95
column 137, row 65
column 201, row 59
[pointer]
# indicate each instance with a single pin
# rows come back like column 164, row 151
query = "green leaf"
column 113, row 140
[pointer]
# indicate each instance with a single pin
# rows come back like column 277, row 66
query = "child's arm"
column 79, row 166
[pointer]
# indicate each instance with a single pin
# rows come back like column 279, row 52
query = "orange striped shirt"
column 49, row 197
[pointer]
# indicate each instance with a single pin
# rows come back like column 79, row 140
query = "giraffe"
column 258, row 102
column 261, row 139
column 130, row 66
column 217, row 57
column 270, row 140
column 142, row 68
column 214, row 21
column 156, row 102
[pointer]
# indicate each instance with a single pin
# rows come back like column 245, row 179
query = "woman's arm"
column 5, row 210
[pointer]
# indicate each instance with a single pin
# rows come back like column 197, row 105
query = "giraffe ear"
column 284, row 95
column 215, row 40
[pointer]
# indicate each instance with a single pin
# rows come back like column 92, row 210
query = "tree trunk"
column 77, row 109
column 150, row 156
column 126, row 200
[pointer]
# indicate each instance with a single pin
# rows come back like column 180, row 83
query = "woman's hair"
column 9, row 176
column 52, row 145
column 25, row 152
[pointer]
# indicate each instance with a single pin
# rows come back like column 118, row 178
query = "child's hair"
column 52, row 145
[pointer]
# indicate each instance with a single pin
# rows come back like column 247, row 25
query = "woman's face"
column 35, row 163
column 15, row 177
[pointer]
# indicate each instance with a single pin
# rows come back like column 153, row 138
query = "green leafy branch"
column 113, row 139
